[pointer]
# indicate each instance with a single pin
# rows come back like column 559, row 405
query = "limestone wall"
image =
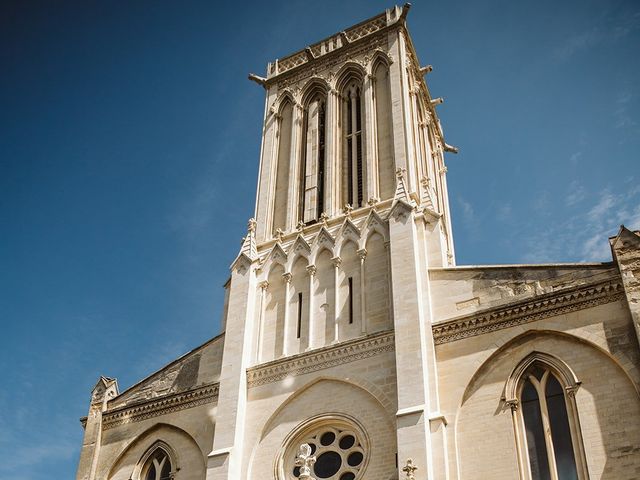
column 598, row 343
column 361, row 386
column 188, row 432
column 198, row 367
column 466, row 290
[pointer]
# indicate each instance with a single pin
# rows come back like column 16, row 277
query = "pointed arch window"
column 541, row 393
column 158, row 466
column 311, row 183
column 353, row 175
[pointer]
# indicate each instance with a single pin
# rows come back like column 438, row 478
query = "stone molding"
column 320, row 359
column 160, row 406
column 543, row 306
column 335, row 43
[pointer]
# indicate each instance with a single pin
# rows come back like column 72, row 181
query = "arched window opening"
column 541, row 392
column 384, row 131
column 283, row 160
column 353, row 175
column 158, row 466
column 311, row 189
column 548, row 434
column 321, row 158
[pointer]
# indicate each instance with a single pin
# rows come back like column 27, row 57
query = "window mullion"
column 546, row 424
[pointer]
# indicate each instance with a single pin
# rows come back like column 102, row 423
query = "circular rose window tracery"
column 339, row 447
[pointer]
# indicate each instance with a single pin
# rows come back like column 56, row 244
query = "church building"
column 352, row 346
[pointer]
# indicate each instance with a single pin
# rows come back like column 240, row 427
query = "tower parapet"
column 341, row 116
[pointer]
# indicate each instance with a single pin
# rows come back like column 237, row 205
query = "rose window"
column 338, row 450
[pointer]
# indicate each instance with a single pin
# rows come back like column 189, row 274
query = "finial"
column 249, row 242
column 400, row 173
column 305, row 461
column 409, row 469
column 300, row 226
column 348, row 208
column 279, row 234
column 324, row 218
column 373, row 201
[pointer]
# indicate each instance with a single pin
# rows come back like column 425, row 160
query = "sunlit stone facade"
column 349, row 328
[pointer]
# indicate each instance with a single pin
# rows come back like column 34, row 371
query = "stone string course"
column 544, row 306
column 324, row 358
column 160, row 406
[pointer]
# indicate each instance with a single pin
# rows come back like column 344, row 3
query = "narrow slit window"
column 350, row 299
column 299, row 315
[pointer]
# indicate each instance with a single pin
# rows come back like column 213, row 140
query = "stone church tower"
column 353, row 347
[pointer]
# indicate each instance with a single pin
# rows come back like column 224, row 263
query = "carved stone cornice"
column 333, row 50
column 543, row 306
column 160, row 406
column 320, row 359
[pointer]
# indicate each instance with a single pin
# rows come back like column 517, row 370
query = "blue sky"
column 129, row 151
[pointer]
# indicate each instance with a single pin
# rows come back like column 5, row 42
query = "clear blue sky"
column 129, row 144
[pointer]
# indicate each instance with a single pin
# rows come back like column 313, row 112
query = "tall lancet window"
column 283, row 162
column 311, row 198
column 352, row 165
column 541, row 392
column 384, row 131
column 547, row 428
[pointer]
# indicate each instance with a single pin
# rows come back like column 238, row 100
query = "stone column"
column 626, row 253
column 264, row 286
column 410, row 325
column 370, row 157
column 362, row 254
column 413, row 168
column 266, row 174
column 332, row 159
column 225, row 460
column 336, row 282
column 294, row 167
column 402, row 149
column 105, row 390
column 287, row 291
column 311, row 270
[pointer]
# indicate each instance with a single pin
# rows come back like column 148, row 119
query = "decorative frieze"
column 320, row 359
column 543, row 306
column 293, row 75
column 160, row 406
column 339, row 41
